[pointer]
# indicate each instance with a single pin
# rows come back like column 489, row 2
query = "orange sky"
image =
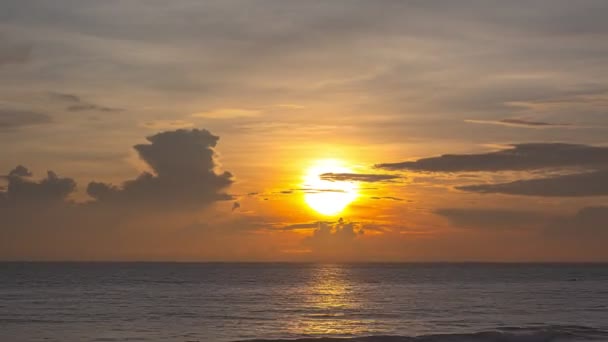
column 450, row 131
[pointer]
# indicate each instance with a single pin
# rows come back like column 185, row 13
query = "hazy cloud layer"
column 588, row 225
column 531, row 156
column 490, row 218
column 11, row 119
column 11, row 53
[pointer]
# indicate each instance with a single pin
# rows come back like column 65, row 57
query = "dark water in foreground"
column 226, row 302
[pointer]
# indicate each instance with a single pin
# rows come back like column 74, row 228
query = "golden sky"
column 304, row 131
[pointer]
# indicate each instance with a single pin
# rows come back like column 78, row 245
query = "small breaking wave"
column 513, row 334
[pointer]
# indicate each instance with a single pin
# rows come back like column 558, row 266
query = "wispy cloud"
column 521, row 123
column 76, row 104
column 530, row 156
column 359, row 177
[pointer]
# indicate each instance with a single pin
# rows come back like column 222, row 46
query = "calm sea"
column 228, row 302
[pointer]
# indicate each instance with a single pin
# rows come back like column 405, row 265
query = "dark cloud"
column 530, row 156
column 520, row 123
column 490, row 218
column 358, row 177
column 11, row 119
column 21, row 190
column 77, row 104
column 574, row 185
column 183, row 162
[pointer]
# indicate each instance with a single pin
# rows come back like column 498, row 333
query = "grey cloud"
column 11, row 119
column 77, row 104
column 20, row 171
column 184, row 165
column 574, row 185
column 521, row 123
column 358, row 177
column 490, row 218
column 22, row 190
column 530, row 156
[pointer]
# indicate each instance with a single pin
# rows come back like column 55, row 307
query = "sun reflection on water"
column 331, row 305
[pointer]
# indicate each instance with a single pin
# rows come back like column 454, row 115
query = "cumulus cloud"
column 531, row 156
column 573, row 185
column 520, row 123
column 11, row 119
column 75, row 103
column 133, row 220
column 21, row 190
column 334, row 238
column 184, row 166
column 358, row 177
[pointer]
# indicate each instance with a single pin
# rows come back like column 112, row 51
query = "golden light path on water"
column 329, row 301
column 324, row 196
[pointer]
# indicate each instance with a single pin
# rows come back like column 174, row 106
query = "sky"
column 334, row 131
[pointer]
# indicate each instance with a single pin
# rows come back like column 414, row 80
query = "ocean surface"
column 364, row 302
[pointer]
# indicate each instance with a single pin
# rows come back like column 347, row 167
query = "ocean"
column 219, row 302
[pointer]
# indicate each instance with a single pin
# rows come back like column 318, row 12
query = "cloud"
column 183, row 162
column 306, row 226
column 582, row 236
column 76, row 104
column 490, row 218
column 23, row 191
column 144, row 216
column 13, row 53
column 228, row 113
column 386, row 198
column 11, row 119
column 332, row 240
column 520, row 123
column 573, row 185
column 519, row 157
column 589, row 224
column 358, row 177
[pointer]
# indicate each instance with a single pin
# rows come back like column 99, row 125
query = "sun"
column 324, row 196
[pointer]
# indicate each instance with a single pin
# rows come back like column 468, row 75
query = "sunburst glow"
column 328, row 197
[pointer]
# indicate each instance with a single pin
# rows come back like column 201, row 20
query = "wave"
column 564, row 333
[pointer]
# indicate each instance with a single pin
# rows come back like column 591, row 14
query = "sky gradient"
column 190, row 130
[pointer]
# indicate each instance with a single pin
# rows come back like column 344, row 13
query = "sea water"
column 219, row 302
